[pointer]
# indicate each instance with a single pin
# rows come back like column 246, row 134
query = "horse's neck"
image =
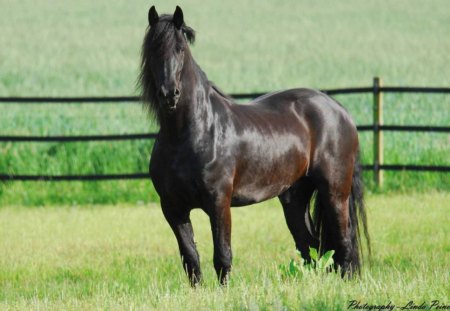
column 194, row 113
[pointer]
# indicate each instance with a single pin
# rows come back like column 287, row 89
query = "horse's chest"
column 174, row 174
column 181, row 171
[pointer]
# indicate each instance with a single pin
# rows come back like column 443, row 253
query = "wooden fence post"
column 377, row 133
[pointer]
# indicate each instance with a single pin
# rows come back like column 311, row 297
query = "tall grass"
column 92, row 48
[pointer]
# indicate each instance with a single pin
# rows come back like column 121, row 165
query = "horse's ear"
column 153, row 17
column 178, row 18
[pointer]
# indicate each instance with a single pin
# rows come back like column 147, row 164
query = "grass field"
column 70, row 253
column 126, row 257
column 87, row 48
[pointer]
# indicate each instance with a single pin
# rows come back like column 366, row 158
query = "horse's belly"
column 268, row 174
column 262, row 185
column 254, row 193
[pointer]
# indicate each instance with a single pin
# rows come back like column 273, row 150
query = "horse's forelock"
column 163, row 34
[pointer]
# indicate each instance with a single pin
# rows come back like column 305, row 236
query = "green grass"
column 93, row 48
column 126, row 257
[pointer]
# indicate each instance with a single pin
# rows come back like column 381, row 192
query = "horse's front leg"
column 181, row 225
column 220, row 217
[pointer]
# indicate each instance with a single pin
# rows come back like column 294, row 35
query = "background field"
column 125, row 257
column 87, row 48
column 68, row 254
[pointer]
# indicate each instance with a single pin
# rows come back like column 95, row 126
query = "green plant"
column 299, row 267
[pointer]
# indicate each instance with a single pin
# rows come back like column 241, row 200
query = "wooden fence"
column 377, row 127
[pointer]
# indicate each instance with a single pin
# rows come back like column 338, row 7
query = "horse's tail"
column 358, row 217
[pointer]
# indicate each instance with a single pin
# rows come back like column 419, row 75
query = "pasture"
column 89, row 49
column 105, row 245
column 125, row 257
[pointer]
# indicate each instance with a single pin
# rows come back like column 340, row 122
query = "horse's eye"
column 180, row 49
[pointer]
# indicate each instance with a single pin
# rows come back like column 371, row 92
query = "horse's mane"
column 159, row 38
column 220, row 92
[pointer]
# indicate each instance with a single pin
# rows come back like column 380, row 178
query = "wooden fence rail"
column 378, row 127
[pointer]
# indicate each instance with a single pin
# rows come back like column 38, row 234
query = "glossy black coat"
column 212, row 153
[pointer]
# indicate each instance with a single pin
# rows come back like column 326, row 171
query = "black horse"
column 212, row 153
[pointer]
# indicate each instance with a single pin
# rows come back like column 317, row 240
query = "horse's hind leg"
column 295, row 203
column 332, row 204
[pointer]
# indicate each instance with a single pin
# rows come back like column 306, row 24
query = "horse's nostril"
column 162, row 92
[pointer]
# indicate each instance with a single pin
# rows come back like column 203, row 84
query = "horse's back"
column 317, row 108
column 301, row 98
column 331, row 130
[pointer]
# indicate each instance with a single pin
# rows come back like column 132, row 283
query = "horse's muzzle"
column 170, row 98
column 171, row 104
